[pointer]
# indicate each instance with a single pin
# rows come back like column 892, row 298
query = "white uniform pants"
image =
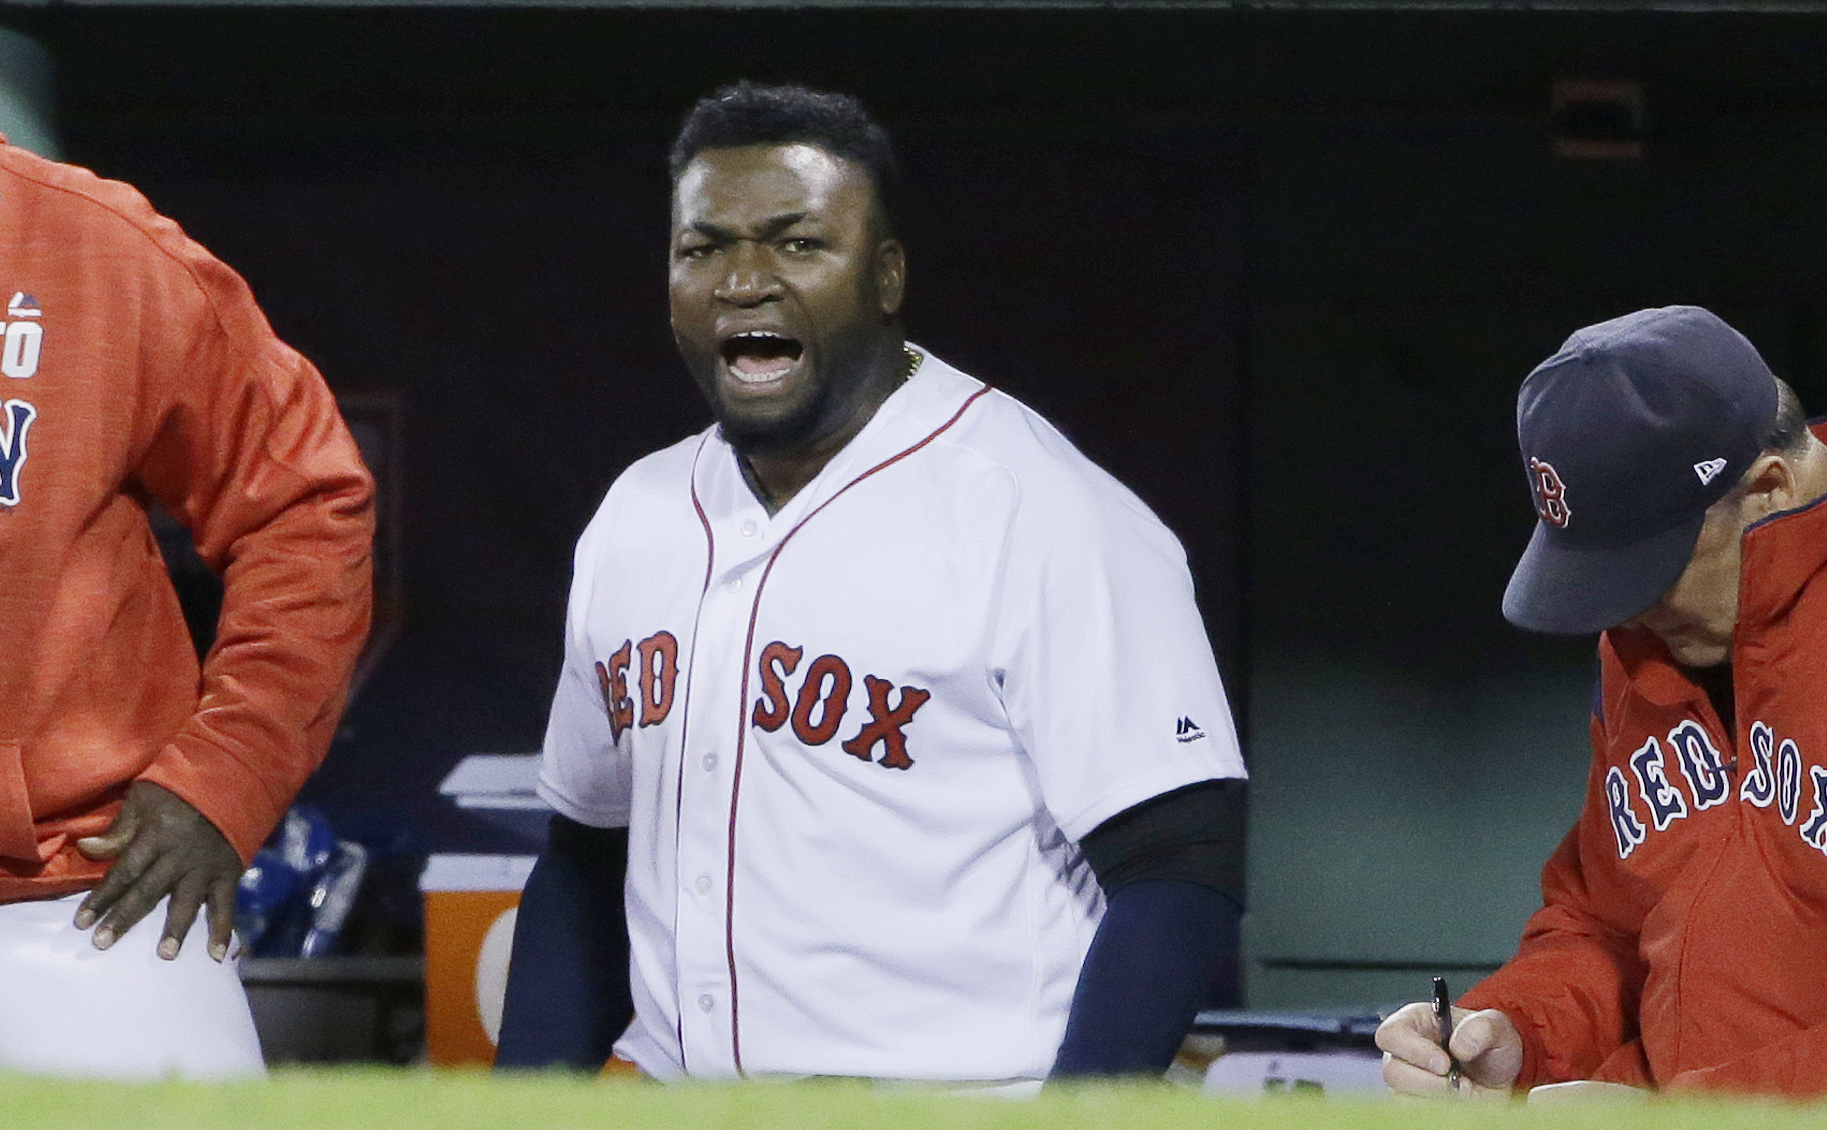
column 67, row 1008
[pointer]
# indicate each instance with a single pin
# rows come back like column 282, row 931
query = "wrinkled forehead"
column 754, row 183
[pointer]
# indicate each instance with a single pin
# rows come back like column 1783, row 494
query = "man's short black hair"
column 751, row 113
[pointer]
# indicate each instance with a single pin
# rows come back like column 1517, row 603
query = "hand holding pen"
column 1432, row 1048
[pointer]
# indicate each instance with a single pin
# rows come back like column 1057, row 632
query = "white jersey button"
column 710, row 762
column 733, row 585
column 705, row 1003
column 703, row 884
column 748, row 529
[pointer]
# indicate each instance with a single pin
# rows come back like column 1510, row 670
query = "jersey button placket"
column 704, row 811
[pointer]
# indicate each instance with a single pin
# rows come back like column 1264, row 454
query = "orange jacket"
column 135, row 367
column 1683, row 938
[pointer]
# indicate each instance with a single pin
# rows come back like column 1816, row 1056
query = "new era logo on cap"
column 1708, row 470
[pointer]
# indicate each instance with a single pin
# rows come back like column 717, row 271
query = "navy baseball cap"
column 1628, row 434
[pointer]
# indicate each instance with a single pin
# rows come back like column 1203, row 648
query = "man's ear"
column 1772, row 484
column 890, row 275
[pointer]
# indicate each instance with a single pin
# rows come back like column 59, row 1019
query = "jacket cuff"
column 228, row 794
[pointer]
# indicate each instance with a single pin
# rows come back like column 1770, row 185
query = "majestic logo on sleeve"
column 817, row 709
column 1550, row 493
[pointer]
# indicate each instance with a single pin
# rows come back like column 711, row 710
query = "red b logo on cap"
column 1550, row 493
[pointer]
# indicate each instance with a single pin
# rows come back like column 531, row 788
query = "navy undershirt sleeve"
column 1162, row 948
column 1168, row 946
column 567, row 992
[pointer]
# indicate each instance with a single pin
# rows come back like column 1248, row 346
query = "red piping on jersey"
column 742, row 720
column 678, row 796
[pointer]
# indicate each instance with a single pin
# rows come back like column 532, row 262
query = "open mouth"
column 759, row 357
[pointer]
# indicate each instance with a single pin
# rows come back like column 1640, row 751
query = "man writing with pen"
column 1684, row 918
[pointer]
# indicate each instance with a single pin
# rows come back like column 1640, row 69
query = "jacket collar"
column 1781, row 555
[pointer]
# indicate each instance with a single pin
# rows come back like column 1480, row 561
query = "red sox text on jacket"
column 1775, row 778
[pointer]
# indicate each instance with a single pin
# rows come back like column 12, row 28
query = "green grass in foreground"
column 377, row 1099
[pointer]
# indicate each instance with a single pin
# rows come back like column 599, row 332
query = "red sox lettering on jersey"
column 20, row 350
column 1672, row 777
column 658, row 672
column 824, row 692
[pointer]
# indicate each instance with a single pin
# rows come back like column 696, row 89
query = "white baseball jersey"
column 855, row 743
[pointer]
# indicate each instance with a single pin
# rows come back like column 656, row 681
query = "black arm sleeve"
column 1172, row 873
column 1194, row 834
column 568, row 995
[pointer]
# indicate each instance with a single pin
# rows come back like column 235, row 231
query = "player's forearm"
column 568, row 994
column 1162, row 948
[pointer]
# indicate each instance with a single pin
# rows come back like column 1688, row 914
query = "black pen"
column 1443, row 1014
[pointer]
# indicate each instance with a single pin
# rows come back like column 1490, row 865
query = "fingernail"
column 104, row 938
column 85, row 918
column 218, row 951
column 168, row 948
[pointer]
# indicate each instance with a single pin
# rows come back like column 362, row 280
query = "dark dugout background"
column 470, row 207
column 1279, row 270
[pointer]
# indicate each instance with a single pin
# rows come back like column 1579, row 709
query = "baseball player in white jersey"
column 892, row 689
